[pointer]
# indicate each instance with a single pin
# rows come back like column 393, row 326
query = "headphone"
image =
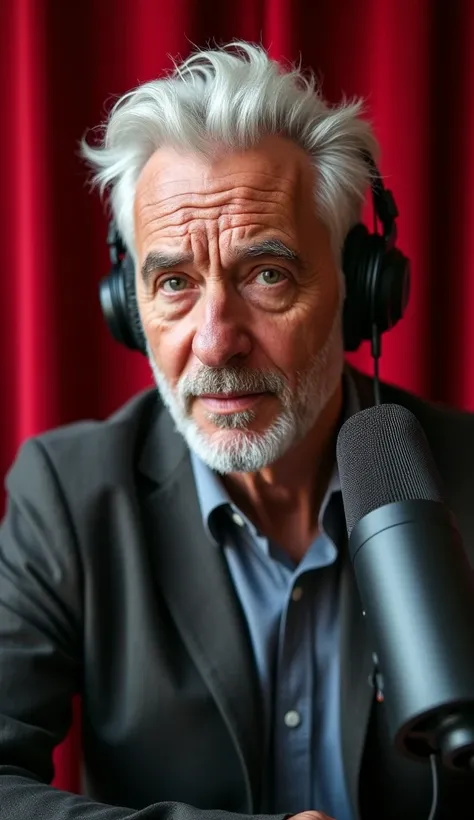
column 376, row 272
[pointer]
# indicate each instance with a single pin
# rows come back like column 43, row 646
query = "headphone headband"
column 384, row 203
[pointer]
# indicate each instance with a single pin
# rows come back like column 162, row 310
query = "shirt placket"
column 293, row 702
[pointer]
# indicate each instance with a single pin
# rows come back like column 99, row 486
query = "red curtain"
column 62, row 63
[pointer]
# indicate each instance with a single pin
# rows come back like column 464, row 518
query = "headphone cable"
column 375, row 350
column 435, row 810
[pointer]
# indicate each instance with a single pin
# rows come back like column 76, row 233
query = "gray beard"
column 232, row 421
column 246, row 450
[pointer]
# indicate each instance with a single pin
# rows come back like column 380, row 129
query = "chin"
column 239, row 450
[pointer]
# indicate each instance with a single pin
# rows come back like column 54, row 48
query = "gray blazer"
column 110, row 588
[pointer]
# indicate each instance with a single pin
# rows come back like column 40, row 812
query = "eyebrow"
column 160, row 260
column 267, row 247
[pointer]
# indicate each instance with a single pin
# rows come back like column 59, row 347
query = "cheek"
column 170, row 344
column 287, row 344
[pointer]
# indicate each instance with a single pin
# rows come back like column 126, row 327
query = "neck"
column 284, row 499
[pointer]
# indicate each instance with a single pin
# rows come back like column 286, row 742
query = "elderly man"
column 183, row 564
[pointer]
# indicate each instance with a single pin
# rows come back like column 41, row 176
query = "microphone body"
column 415, row 583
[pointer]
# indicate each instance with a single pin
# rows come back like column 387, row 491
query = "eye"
column 174, row 284
column 269, row 277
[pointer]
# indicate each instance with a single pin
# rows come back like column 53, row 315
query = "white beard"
column 244, row 450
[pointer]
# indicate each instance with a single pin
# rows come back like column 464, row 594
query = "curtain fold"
column 61, row 66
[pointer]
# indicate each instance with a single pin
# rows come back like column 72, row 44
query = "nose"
column 221, row 335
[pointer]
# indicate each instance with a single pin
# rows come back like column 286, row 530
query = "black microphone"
column 415, row 583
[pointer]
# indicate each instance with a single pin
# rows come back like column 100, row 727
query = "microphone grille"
column 383, row 456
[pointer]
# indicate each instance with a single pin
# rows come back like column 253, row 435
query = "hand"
column 311, row 815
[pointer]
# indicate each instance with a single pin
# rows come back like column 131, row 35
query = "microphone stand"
column 444, row 736
column 447, row 733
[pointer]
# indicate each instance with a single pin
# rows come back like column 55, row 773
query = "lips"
column 230, row 402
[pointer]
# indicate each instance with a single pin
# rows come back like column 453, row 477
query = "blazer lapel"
column 356, row 692
column 193, row 577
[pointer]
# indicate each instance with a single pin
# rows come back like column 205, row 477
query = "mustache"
column 230, row 380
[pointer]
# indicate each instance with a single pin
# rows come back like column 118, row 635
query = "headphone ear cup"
column 119, row 305
column 356, row 306
column 377, row 286
column 133, row 315
column 392, row 289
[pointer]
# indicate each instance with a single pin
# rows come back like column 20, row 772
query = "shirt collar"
column 211, row 492
column 212, row 495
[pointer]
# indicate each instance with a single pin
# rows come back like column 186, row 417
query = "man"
column 183, row 564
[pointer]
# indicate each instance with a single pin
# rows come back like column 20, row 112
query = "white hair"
column 232, row 97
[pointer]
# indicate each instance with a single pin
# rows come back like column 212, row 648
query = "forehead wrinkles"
column 160, row 197
column 157, row 179
column 215, row 190
column 182, row 211
column 171, row 205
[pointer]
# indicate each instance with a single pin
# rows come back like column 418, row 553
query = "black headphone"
column 376, row 272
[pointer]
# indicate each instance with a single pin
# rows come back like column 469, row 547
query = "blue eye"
column 270, row 277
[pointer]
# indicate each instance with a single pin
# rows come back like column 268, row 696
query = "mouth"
column 230, row 402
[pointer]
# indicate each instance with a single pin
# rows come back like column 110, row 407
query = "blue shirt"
column 292, row 614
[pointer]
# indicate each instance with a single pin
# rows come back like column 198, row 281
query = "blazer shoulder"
column 93, row 448
column 435, row 417
column 449, row 430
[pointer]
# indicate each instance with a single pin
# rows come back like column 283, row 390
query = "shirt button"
column 297, row 594
column 238, row 519
column 292, row 719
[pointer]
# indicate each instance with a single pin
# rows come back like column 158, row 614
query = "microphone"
column 415, row 583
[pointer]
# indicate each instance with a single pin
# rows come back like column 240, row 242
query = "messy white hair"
column 232, row 97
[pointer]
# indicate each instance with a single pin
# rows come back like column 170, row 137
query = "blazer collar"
column 163, row 449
